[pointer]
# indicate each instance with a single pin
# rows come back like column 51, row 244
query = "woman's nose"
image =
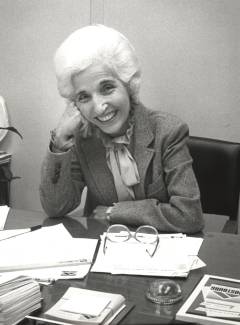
column 99, row 105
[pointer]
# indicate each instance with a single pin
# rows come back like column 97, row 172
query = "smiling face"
column 102, row 99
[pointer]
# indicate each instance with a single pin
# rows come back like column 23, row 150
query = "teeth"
column 106, row 117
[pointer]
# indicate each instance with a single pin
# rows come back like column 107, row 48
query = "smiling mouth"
column 107, row 117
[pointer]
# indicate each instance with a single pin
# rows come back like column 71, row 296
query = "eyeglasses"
column 120, row 233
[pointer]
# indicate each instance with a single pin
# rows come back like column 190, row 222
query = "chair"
column 216, row 164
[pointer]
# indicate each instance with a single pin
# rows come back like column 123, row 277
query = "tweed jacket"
column 167, row 196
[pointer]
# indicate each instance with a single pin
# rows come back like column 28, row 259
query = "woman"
column 134, row 161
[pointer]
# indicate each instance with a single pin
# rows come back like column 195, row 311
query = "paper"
column 85, row 304
column 18, row 297
column 4, row 209
column 88, row 306
column 196, row 262
column 47, row 275
column 4, row 234
column 47, row 247
column 175, row 257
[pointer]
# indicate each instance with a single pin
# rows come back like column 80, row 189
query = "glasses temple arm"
column 155, row 249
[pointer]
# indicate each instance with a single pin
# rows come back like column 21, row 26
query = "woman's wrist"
column 108, row 213
column 57, row 145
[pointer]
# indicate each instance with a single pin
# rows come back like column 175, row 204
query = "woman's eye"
column 108, row 88
column 82, row 98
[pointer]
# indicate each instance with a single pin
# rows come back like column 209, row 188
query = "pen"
column 22, row 233
column 35, row 227
column 46, row 280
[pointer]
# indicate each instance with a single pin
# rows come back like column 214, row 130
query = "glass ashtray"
column 164, row 292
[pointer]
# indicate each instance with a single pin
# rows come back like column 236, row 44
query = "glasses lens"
column 146, row 234
column 118, row 233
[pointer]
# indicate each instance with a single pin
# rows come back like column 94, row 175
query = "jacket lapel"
column 100, row 174
column 143, row 136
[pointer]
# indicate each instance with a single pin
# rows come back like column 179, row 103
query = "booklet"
column 215, row 300
column 83, row 306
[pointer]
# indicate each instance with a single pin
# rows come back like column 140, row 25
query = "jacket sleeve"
column 182, row 211
column 61, row 184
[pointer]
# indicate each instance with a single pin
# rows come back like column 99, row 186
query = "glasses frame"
column 130, row 235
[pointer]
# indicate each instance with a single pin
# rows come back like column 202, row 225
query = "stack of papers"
column 46, row 254
column 18, row 297
column 82, row 306
column 175, row 257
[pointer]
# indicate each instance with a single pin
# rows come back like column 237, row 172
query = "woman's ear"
column 134, row 87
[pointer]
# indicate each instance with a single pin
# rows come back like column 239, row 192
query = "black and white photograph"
column 119, row 160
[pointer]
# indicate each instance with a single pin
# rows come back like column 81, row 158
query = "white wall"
column 30, row 32
column 189, row 50
column 190, row 53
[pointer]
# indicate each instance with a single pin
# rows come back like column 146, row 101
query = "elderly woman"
column 134, row 161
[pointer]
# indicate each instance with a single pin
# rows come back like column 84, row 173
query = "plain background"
column 190, row 56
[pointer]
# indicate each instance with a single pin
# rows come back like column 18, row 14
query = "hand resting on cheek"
column 63, row 135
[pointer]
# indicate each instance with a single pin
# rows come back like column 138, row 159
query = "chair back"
column 216, row 164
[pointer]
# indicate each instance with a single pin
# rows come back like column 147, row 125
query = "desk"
column 219, row 251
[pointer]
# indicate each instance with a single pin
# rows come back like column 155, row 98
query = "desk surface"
column 219, row 251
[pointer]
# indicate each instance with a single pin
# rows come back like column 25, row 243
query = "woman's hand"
column 63, row 135
column 101, row 213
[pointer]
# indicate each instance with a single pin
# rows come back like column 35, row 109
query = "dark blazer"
column 167, row 196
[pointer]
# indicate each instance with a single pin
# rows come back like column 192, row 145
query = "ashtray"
column 164, row 292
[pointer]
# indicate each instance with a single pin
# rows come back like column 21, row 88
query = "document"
column 175, row 257
column 50, row 274
column 5, row 234
column 85, row 304
column 47, row 247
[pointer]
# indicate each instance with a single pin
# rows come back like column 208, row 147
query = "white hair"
column 94, row 44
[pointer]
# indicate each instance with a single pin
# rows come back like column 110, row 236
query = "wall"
column 189, row 51
column 30, row 32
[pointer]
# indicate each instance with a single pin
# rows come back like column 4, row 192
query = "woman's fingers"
column 70, row 120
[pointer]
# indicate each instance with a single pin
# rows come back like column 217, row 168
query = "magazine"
column 215, row 300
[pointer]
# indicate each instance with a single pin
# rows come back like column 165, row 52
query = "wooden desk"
column 219, row 251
